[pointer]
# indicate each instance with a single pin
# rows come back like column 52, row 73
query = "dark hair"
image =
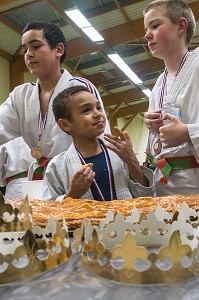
column 62, row 102
column 175, row 10
column 52, row 34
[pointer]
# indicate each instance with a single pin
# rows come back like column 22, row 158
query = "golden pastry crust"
column 75, row 210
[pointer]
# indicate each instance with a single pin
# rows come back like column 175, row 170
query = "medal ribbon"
column 164, row 80
column 109, row 172
column 41, row 122
column 42, row 161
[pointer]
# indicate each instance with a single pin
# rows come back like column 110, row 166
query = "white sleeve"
column 9, row 121
column 138, row 190
column 55, row 183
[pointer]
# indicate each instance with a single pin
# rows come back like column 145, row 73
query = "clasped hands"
column 171, row 135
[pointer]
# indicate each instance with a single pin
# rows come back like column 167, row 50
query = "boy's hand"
column 175, row 133
column 153, row 120
column 81, row 182
column 121, row 145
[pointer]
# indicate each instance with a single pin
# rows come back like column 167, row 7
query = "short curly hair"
column 62, row 103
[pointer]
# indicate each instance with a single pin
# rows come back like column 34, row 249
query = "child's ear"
column 183, row 25
column 59, row 50
column 64, row 125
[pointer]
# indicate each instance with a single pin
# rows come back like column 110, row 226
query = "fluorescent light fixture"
column 125, row 68
column 92, row 33
column 147, row 92
column 78, row 18
column 116, row 58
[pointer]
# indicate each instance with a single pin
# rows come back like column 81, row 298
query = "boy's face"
column 161, row 34
column 88, row 118
column 40, row 59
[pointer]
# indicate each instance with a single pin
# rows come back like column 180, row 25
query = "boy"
column 173, row 114
column 115, row 174
column 28, row 110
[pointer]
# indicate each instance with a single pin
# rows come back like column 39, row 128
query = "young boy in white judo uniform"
column 115, row 172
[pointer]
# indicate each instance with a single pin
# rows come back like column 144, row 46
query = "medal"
column 157, row 147
column 36, row 152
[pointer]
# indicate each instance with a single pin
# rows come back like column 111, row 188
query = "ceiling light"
column 92, row 33
column 78, row 18
column 125, row 68
column 147, row 92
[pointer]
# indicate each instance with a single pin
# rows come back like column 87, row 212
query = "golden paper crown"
column 15, row 219
column 27, row 250
column 141, row 249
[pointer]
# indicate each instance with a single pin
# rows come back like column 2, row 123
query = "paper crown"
column 27, row 250
column 141, row 249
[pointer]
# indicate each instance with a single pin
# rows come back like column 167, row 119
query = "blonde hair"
column 175, row 10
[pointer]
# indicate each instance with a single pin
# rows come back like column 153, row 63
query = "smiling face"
column 40, row 59
column 87, row 117
column 162, row 35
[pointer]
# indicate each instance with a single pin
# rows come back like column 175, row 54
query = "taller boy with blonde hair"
column 173, row 114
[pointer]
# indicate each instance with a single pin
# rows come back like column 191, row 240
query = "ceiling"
column 120, row 22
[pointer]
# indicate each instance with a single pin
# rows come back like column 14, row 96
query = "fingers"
column 120, row 136
column 154, row 125
column 113, row 140
column 153, row 120
column 171, row 118
column 153, row 115
column 81, row 182
column 85, row 172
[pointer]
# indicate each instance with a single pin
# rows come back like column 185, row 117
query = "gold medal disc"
column 157, row 147
column 36, row 152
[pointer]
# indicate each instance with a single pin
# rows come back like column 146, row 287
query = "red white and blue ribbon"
column 108, row 163
column 41, row 122
column 88, row 84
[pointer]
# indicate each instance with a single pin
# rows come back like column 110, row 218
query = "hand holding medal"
column 157, row 146
column 175, row 133
column 153, row 120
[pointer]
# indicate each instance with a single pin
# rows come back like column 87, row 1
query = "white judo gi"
column 15, row 158
column 62, row 168
column 184, row 95
column 20, row 112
